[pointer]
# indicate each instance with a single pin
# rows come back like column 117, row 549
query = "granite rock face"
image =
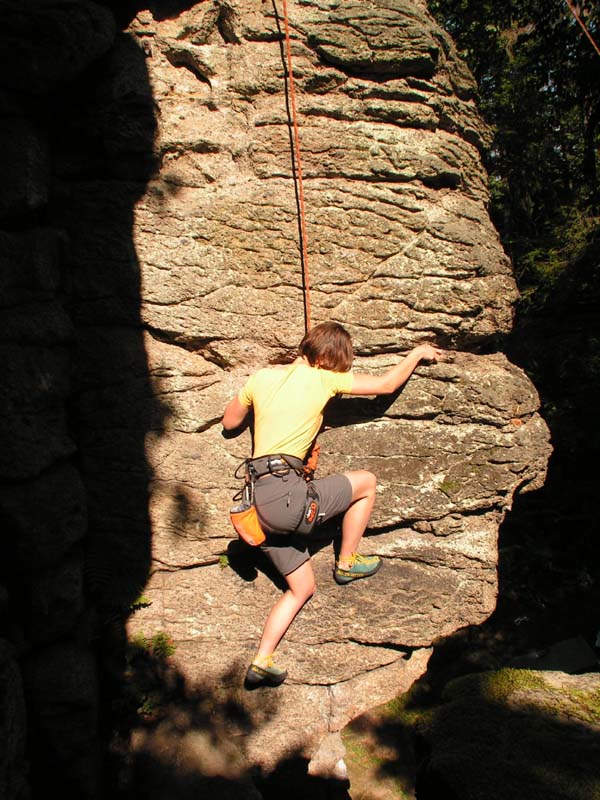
column 513, row 733
column 150, row 261
column 401, row 250
column 400, row 244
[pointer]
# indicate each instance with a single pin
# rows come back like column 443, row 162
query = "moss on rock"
column 513, row 734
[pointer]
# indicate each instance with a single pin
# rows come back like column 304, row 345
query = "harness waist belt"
column 277, row 464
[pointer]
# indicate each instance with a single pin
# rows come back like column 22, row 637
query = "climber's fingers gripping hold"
column 428, row 352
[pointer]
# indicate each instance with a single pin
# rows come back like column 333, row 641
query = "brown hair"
column 328, row 346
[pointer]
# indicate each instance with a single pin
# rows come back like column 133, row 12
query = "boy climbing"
column 288, row 403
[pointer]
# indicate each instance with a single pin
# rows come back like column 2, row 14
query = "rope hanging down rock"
column 297, row 166
column 297, row 160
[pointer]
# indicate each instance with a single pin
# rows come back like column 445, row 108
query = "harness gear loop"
column 244, row 516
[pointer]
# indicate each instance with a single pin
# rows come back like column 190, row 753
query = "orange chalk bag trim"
column 244, row 519
column 244, row 516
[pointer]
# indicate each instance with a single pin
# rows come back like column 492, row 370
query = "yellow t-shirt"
column 288, row 405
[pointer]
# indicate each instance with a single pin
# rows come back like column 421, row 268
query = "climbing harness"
column 244, row 516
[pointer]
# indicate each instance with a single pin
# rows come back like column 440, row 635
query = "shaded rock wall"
column 55, row 61
column 497, row 732
column 150, row 261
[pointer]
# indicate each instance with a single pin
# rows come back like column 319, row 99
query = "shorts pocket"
column 280, row 507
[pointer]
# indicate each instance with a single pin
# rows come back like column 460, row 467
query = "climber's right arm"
column 395, row 377
column 235, row 414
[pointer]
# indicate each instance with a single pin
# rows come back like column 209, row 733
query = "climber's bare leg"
column 301, row 583
column 357, row 516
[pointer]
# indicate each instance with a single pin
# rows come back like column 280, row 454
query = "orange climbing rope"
column 577, row 16
column 297, row 160
column 298, row 171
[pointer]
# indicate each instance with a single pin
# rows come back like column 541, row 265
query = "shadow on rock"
column 509, row 733
column 513, row 733
column 175, row 740
column 485, row 730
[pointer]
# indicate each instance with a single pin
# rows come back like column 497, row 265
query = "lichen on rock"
column 498, row 732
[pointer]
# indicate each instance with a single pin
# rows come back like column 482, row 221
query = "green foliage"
column 139, row 642
column 539, row 85
column 449, row 487
column 496, row 686
column 141, row 602
column 160, row 645
column 411, row 709
column 147, row 667
column 546, row 265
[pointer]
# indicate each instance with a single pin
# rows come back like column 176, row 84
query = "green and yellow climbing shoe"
column 360, row 567
column 263, row 672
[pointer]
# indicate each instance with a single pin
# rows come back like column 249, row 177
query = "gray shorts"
column 280, row 503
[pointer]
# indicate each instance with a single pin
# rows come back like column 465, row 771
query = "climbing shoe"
column 360, row 567
column 263, row 672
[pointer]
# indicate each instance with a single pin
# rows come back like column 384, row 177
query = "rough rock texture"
column 12, row 724
column 48, row 689
column 514, row 733
column 401, row 250
column 149, row 261
column 400, row 243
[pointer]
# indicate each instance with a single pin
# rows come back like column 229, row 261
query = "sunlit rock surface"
column 150, row 261
column 401, row 250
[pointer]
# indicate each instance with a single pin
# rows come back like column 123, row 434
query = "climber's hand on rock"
column 428, row 352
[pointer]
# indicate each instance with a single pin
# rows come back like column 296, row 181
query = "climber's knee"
column 363, row 482
column 302, row 582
